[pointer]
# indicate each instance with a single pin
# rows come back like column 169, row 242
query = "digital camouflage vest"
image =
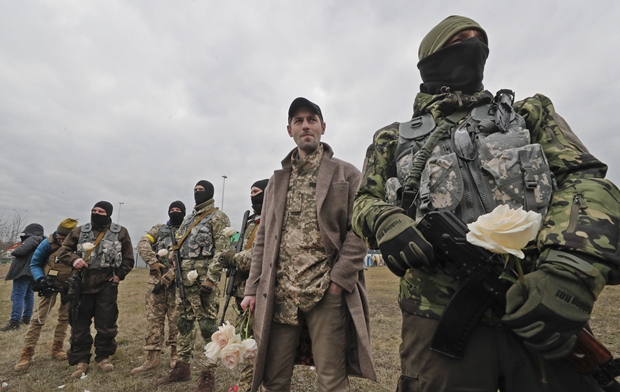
column 164, row 241
column 475, row 167
column 199, row 244
column 108, row 253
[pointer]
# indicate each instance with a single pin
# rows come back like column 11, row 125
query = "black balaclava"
column 101, row 221
column 257, row 200
column 459, row 67
column 202, row 196
column 176, row 218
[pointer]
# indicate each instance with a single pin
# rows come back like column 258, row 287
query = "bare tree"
column 11, row 224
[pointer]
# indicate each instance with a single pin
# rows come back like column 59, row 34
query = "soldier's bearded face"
column 306, row 128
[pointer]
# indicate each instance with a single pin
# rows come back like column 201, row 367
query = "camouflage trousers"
column 158, row 308
column 190, row 312
column 38, row 320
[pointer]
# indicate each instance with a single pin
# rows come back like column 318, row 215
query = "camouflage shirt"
column 302, row 273
column 243, row 259
column 583, row 215
column 205, row 243
column 156, row 239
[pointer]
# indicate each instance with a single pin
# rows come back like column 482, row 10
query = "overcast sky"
column 135, row 101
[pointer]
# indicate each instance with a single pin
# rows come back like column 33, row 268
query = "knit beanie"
column 261, row 184
column 107, row 206
column 440, row 34
column 178, row 204
column 65, row 227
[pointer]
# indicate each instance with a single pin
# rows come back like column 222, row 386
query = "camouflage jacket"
column 96, row 279
column 583, row 215
column 151, row 243
column 244, row 258
column 204, row 245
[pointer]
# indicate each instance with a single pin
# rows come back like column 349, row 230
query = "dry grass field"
column 46, row 374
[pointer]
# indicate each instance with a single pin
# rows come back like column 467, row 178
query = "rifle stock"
column 480, row 270
column 232, row 271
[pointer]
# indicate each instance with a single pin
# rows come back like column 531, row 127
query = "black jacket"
column 20, row 266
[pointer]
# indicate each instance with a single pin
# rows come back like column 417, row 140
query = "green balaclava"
column 440, row 34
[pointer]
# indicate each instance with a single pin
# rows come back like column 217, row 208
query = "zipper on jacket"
column 579, row 203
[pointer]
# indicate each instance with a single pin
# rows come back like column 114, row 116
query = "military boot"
column 151, row 362
column 80, row 369
column 206, row 381
column 12, row 325
column 174, row 358
column 25, row 320
column 57, row 351
column 24, row 359
column 105, row 365
column 181, row 372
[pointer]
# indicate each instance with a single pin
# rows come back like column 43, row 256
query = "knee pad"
column 207, row 328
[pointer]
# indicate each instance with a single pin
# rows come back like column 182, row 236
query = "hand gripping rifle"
column 232, row 271
column 479, row 269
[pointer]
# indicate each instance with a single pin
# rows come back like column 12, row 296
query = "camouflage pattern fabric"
column 583, row 215
column 195, row 316
column 244, row 258
column 206, row 238
column 158, row 308
column 108, row 254
column 302, row 273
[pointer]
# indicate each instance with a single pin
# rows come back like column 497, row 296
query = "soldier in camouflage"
column 101, row 255
column 307, row 265
column 153, row 248
column 241, row 262
column 200, row 240
column 468, row 151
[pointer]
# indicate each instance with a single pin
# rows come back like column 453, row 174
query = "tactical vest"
column 199, row 244
column 164, row 238
column 64, row 271
column 475, row 168
column 109, row 251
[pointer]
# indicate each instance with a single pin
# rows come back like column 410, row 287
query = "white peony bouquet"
column 162, row 252
column 226, row 345
column 87, row 248
column 192, row 276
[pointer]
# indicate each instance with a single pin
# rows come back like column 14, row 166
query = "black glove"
column 549, row 311
column 402, row 245
column 40, row 284
column 227, row 259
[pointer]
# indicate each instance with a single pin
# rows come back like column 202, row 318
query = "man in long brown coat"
column 307, row 266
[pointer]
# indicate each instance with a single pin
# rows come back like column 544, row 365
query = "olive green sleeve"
column 584, row 213
column 379, row 165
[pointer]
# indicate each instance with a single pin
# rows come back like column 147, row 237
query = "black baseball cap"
column 301, row 102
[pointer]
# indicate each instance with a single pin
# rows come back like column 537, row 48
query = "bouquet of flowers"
column 228, row 346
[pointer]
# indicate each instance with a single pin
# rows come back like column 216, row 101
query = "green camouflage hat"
column 440, row 34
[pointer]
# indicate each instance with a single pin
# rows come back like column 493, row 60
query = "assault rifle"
column 178, row 279
column 231, row 272
column 480, row 269
column 74, row 295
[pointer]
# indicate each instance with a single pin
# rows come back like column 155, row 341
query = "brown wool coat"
column 337, row 183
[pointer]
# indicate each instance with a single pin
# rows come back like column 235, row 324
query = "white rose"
column 505, row 230
column 224, row 334
column 86, row 246
column 249, row 348
column 232, row 354
column 229, row 231
column 192, row 276
column 212, row 352
column 162, row 252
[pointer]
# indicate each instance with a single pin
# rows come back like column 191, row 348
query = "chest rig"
column 199, row 244
column 108, row 253
column 484, row 160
